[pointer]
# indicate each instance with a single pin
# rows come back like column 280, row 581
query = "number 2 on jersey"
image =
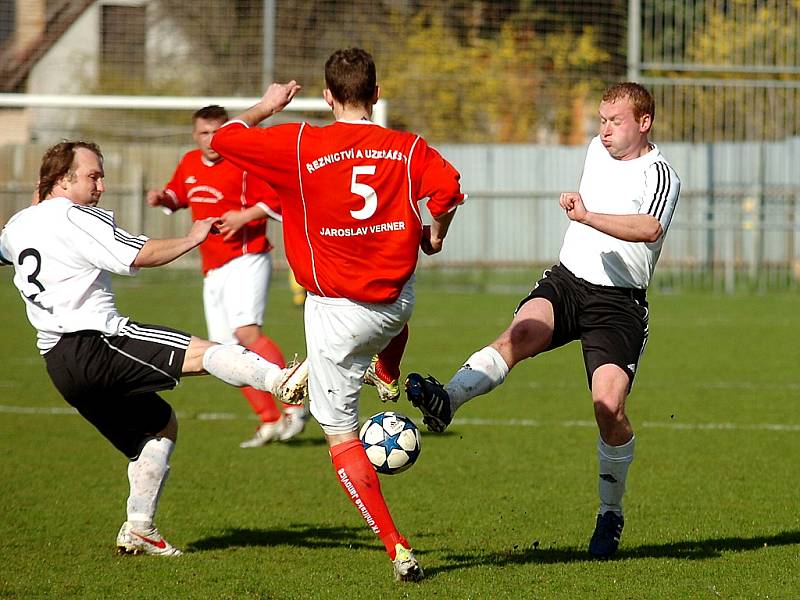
column 367, row 192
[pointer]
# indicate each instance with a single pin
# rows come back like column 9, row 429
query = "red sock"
column 360, row 482
column 268, row 349
column 263, row 403
column 388, row 365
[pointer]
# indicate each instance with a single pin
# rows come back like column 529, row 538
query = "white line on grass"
column 222, row 416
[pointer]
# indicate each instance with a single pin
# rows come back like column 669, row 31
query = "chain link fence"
column 487, row 81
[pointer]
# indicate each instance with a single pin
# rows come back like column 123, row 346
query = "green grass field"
column 501, row 506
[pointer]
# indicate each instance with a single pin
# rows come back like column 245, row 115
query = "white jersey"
column 644, row 185
column 62, row 255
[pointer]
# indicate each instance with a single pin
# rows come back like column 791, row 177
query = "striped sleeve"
column 3, row 260
column 108, row 246
column 662, row 188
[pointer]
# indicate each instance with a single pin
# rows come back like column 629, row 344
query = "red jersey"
column 349, row 195
column 212, row 189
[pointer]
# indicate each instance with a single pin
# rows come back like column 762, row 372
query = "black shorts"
column 610, row 322
column 112, row 379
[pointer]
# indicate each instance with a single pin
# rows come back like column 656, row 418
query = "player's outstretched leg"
column 430, row 397
column 237, row 366
column 360, row 482
column 480, row 374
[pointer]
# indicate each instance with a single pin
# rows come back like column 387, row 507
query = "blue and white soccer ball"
column 392, row 442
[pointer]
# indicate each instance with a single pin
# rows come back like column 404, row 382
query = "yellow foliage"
column 506, row 88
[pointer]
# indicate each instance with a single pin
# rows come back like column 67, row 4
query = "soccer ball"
column 392, row 442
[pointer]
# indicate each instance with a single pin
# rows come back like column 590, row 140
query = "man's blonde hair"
column 641, row 100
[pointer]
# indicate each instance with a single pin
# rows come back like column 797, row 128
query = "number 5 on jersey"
column 365, row 191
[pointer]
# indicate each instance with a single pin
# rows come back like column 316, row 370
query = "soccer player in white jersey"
column 596, row 294
column 106, row 365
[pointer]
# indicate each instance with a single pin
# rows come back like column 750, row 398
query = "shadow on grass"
column 297, row 535
column 304, row 535
column 687, row 550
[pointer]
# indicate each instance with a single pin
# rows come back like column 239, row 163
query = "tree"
column 514, row 85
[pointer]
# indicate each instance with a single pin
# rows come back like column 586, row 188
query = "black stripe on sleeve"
column 659, row 201
column 97, row 213
column 128, row 240
column 105, row 217
column 156, row 334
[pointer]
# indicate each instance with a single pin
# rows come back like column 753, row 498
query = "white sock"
column 614, row 462
column 236, row 365
column 482, row 372
column 147, row 475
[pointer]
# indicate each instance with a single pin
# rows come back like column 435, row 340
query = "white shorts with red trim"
column 235, row 295
column 342, row 336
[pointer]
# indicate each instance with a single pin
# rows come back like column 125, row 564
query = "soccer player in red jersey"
column 353, row 229
column 237, row 264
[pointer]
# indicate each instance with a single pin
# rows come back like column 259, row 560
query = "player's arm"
column 629, row 228
column 659, row 198
column 172, row 196
column 233, row 220
column 165, row 198
column 433, row 235
column 439, row 181
column 274, row 100
column 155, row 253
column 261, row 202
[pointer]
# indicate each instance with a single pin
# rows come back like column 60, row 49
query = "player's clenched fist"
column 572, row 203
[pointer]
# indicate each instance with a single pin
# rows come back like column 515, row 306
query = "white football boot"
column 143, row 541
column 294, row 422
column 293, row 387
column 406, row 567
column 265, row 433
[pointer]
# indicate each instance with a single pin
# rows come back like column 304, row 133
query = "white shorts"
column 235, row 295
column 342, row 336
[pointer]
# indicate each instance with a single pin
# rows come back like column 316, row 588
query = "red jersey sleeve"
column 259, row 192
column 437, row 180
column 176, row 187
column 266, row 153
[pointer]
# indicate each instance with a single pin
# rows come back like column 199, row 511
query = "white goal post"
column 232, row 103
